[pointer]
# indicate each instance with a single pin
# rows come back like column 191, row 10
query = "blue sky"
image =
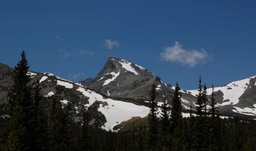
column 178, row 40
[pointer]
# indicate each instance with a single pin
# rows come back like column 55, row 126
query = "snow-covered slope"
column 115, row 111
column 235, row 95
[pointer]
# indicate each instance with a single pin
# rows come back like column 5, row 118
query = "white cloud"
column 111, row 44
column 178, row 54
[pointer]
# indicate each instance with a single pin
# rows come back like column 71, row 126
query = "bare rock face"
column 122, row 79
column 5, row 82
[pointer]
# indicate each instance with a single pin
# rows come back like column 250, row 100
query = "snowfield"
column 49, row 94
column 65, row 84
column 115, row 111
column 231, row 92
column 245, row 111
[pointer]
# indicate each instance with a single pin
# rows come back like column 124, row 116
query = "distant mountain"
column 120, row 92
column 125, row 80
column 122, row 79
column 237, row 96
column 102, row 109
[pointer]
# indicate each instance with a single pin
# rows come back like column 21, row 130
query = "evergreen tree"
column 152, row 122
column 165, row 127
column 3, row 133
column 205, row 99
column 59, row 128
column 213, row 104
column 20, row 104
column 39, row 121
column 164, row 119
column 200, row 102
column 199, row 140
column 176, row 115
column 85, row 139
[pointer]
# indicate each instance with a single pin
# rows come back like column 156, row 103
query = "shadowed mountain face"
column 5, row 82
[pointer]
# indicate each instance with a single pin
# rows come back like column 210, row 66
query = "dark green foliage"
column 164, row 139
column 59, row 128
column 176, row 109
column 31, row 127
column 3, row 133
column 21, row 110
column 152, row 122
column 205, row 100
column 39, row 121
column 164, row 119
column 85, row 139
column 200, row 101
column 213, row 111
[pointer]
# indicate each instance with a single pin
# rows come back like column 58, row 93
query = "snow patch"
column 142, row 68
column 115, row 111
column 64, row 102
column 65, row 84
column 49, row 74
column 158, row 88
column 128, row 67
column 31, row 74
column 231, row 91
column 93, row 96
column 43, row 79
column 49, row 94
column 101, row 79
column 245, row 111
column 114, row 76
column 79, row 84
column 108, row 94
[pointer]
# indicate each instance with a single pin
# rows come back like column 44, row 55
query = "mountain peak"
column 122, row 66
column 121, row 78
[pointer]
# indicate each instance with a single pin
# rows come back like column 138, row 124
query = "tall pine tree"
column 85, row 139
column 39, row 121
column 164, row 119
column 205, row 99
column 200, row 102
column 213, row 104
column 164, row 134
column 151, row 143
column 176, row 115
column 59, row 128
column 199, row 140
column 20, row 104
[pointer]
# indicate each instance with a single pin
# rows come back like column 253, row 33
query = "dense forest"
column 32, row 126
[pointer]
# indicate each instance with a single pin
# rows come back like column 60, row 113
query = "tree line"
column 32, row 125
